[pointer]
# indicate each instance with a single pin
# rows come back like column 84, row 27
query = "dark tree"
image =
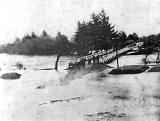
column 33, row 35
column 133, row 37
column 44, row 34
column 122, row 39
column 17, row 40
column 95, row 34
column 122, row 35
column 149, row 44
column 27, row 36
column 61, row 46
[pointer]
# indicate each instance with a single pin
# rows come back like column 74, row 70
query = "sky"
column 19, row 17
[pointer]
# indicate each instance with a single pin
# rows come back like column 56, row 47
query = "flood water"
column 116, row 97
column 7, row 62
column 12, row 91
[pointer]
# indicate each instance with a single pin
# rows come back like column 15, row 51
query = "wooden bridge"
column 107, row 56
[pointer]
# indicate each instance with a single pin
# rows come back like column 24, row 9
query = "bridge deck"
column 107, row 57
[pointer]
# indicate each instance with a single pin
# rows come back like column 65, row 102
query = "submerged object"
column 19, row 65
column 11, row 76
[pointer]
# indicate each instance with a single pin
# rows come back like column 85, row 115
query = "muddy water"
column 91, row 98
column 7, row 62
column 15, row 93
column 127, row 97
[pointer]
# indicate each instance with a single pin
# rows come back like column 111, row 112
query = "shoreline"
column 76, row 73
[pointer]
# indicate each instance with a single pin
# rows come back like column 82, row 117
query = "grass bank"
column 131, row 69
column 155, row 69
column 76, row 73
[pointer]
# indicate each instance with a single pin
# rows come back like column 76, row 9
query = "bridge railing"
column 104, row 55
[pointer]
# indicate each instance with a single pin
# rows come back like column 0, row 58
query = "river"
column 31, row 78
column 7, row 62
column 37, row 95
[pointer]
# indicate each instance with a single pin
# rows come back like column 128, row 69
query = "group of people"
column 79, row 62
column 95, row 56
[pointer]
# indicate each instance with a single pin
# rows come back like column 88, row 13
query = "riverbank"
column 77, row 73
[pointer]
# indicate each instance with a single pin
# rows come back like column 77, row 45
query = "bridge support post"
column 117, row 57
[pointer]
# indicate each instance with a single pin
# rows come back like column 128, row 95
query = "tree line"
column 35, row 45
column 99, row 33
column 151, row 44
column 96, row 34
column 151, row 41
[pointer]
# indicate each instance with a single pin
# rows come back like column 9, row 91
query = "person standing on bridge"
column 94, row 59
column 97, row 58
column 89, row 61
column 69, row 64
column 157, row 60
column 78, row 63
column 83, row 62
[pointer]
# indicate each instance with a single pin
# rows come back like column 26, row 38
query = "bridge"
column 106, row 57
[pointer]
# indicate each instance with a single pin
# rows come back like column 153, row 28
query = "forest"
column 96, row 34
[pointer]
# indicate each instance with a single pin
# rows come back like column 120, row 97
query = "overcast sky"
column 19, row 17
